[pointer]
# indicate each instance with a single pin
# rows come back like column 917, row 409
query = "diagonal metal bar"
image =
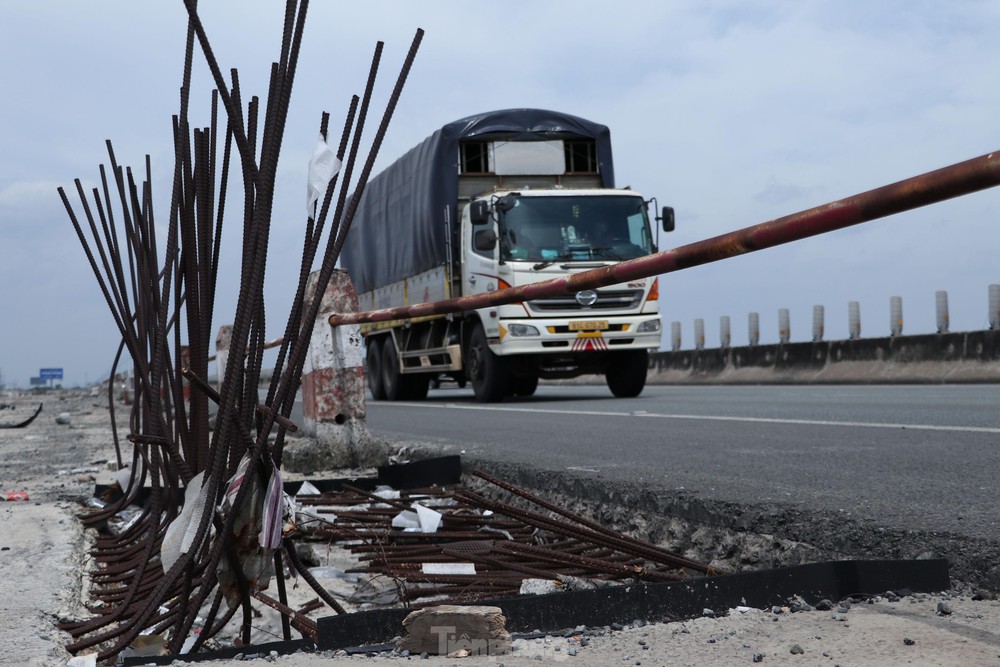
column 932, row 187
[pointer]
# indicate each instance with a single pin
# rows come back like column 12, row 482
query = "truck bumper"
column 562, row 335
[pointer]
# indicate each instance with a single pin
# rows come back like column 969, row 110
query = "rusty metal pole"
column 953, row 181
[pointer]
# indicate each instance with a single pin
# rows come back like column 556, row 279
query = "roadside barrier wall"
column 931, row 358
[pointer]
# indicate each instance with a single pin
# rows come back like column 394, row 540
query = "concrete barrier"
column 932, row 358
column 333, row 398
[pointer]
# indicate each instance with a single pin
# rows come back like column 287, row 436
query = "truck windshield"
column 546, row 229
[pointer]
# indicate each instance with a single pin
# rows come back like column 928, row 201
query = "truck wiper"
column 606, row 252
column 549, row 262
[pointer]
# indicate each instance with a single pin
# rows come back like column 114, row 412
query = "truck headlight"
column 649, row 326
column 522, row 330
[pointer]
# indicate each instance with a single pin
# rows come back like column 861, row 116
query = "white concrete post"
column 853, row 320
column 994, row 306
column 675, row 336
column 818, row 317
column 753, row 329
column 895, row 316
column 784, row 326
column 699, row 334
column 333, row 392
column 941, row 308
column 725, row 337
column 223, row 341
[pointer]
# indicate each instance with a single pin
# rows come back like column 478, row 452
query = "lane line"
column 820, row 422
column 720, row 418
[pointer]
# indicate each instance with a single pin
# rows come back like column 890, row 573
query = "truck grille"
column 606, row 300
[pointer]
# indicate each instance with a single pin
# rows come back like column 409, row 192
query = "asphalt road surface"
column 907, row 457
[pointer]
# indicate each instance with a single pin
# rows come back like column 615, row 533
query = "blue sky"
column 734, row 113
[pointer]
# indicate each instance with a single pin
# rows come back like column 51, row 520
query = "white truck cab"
column 515, row 238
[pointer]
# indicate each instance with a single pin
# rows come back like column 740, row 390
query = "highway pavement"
column 909, row 458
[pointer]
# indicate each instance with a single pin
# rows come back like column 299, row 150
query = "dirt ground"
column 58, row 459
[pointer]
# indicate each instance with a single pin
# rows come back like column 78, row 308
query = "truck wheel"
column 626, row 374
column 524, row 385
column 489, row 374
column 373, row 369
column 393, row 382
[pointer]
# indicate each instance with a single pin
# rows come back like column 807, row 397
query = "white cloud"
column 26, row 195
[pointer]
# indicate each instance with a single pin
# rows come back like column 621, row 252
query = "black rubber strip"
column 671, row 601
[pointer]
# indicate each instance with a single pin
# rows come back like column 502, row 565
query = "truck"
column 495, row 200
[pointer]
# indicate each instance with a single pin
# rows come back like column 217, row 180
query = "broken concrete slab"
column 456, row 629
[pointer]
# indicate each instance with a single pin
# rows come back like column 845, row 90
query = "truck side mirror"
column 667, row 219
column 507, row 202
column 485, row 240
column 480, row 214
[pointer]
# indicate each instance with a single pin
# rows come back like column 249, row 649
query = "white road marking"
column 720, row 418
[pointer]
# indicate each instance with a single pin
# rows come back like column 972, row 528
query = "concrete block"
column 333, row 400
column 223, row 341
column 456, row 630
column 954, row 357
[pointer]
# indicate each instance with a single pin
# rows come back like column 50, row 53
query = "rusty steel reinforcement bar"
column 155, row 306
column 932, row 187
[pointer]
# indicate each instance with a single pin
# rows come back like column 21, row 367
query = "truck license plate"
column 588, row 325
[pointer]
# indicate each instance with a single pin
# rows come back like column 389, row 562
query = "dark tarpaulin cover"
column 398, row 230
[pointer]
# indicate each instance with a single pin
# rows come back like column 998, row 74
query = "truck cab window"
column 545, row 228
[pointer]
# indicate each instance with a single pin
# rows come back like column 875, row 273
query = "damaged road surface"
column 894, row 472
column 527, row 563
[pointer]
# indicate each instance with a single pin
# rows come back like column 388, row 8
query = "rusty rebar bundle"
column 162, row 300
column 484, row 547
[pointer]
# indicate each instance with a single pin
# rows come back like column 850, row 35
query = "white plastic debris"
column 189, row 643
column 182, row 530
column 406, row 520
column 308, row 489
column 274, row 509
column 323, row 166
column 88, row 660
column 448, row 568
column 419, row 520
column 123, row 477
column 309, row 515
column 387, row 493
column 429, row 519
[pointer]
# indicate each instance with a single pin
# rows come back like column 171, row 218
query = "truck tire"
column 523, row 385
column 488, row 373
column 373, row 369
column 393, row 382
column 626, row 374
column 395, row 385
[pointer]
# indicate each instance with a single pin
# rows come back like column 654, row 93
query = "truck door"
column 480, row 264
